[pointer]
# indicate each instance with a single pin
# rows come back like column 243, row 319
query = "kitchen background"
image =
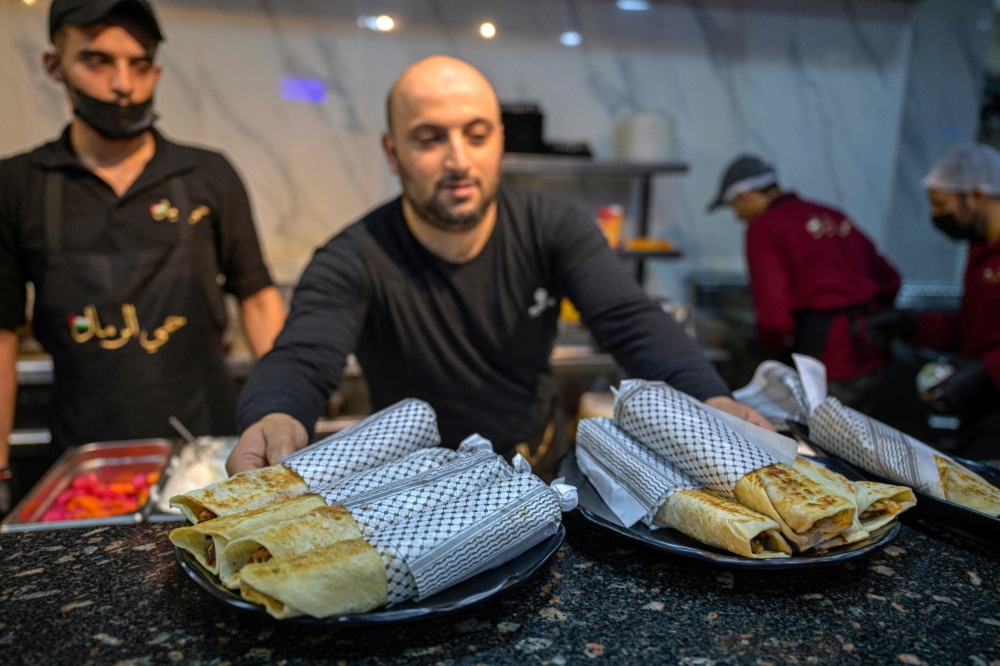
column 852, row 100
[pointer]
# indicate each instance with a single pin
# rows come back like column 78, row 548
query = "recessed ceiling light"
column 488, row 30
column 633, row 5
column 570, row 38
column 29, row 2
column 381, row 23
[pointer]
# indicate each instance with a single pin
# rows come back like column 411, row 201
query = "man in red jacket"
column 812, row 274
column 964, row 193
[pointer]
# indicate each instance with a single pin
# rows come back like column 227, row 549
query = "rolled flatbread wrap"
column 808, row 514
column 394, row 432
column 836, row 484
column 246, row 491
column 880, row 503
column 208, row 540
column 706, row 449
column 378, row 507
column 322, row 526
column 416, row 558
column 708, row 517
column 971, row 491
column 343, row 578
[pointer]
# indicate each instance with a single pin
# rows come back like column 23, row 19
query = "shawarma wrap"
column 320, row 527
column 342, row 578
column 719, row 521
column 880, row 503
column 967, row 489
column 840, row 485
column 207, row 540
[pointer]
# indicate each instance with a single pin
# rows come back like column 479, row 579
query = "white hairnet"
column 969, row 168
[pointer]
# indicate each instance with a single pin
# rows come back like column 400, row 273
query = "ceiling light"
column 29, row 2
column 633, row 5
column 488, row 30
column 381, row 23
column 570, row 38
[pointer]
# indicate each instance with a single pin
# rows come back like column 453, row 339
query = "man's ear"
column 389, row 148
column 52, row 62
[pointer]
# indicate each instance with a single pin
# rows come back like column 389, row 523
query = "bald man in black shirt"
column 450, row 292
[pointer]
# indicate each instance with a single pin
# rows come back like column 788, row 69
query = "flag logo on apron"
column 164, row 211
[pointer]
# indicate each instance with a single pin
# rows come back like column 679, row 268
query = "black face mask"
column 113, row 121
column 949, row 224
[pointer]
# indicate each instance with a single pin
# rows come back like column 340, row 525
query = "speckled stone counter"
column 116, row 596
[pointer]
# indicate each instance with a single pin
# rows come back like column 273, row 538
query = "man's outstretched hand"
column 741, row 411
column 266, row 442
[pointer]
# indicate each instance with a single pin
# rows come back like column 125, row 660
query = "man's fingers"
column 280, row 445
column 248, row 453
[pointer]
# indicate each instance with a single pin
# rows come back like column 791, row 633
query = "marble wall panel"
column 817, row 88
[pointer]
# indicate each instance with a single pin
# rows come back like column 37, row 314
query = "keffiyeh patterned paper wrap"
column 874, row 446
column 388, row 435
column 400, row 501
column 416, row 463
column 631, row 480
column 474, row 532
column 694, row 441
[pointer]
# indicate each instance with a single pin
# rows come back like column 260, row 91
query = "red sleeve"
column 991, row 360
column 769, row 284
column 937, row 330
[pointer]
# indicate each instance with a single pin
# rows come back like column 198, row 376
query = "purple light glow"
column 303, row 90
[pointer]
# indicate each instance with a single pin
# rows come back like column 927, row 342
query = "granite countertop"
column 116, row 596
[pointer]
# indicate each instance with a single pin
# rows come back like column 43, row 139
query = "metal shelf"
column 558, row 165
column 655, row 254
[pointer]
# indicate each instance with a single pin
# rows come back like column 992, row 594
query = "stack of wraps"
column 209, row 541
column 379, row 515
column 735, row 464
column 884, row 451
column 638, row 486
column 411, row 542
column 394, row 432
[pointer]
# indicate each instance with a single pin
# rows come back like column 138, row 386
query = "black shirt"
column 471, row 339
column 97, row 220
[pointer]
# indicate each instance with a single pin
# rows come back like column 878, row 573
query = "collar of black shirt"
column 169, row 160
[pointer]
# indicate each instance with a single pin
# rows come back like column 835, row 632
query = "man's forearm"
column 263, row 315
column 8, row 391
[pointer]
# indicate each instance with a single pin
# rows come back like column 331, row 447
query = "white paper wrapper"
column 776, row 393
column 388, row 435
column 400, row 501
column 712, row 450
column 631, row 480
column 476, row 531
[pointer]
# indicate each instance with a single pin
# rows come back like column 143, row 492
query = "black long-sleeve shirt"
column 471, row 339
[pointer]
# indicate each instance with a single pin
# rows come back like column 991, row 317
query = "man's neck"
column 453, row 247
column 118, row 162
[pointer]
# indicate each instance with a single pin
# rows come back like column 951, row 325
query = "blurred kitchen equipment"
column 523, row 128
column 645, row 137
column 179, row 427
column 610, row 220
column 200, row 462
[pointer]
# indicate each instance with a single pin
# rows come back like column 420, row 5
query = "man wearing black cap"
column 127, row 238
column 812, row 273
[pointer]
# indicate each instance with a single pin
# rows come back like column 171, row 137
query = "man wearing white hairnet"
column 964, row 193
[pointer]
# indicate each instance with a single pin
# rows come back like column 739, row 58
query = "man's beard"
column 435, row 213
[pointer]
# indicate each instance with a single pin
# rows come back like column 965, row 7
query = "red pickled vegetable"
column 87, row 497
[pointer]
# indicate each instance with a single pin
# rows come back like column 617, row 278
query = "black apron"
column 135, row 337
column 812, row 328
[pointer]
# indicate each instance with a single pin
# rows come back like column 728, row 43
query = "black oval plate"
column 942, row 513
column 457, row 597
column 593, row 508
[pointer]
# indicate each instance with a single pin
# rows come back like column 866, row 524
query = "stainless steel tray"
column 111, row 461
